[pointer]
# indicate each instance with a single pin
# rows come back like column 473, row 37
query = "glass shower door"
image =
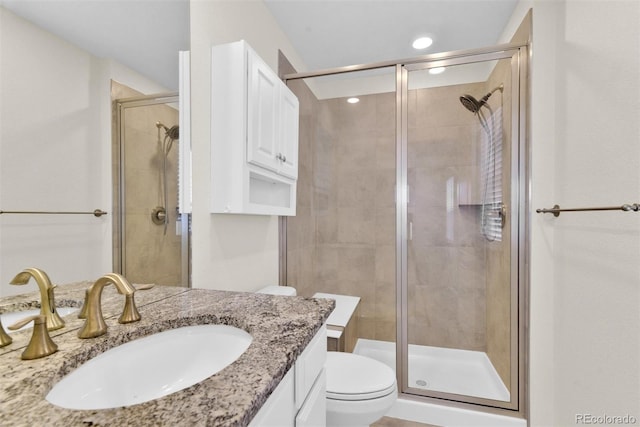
column 459, row 248
column 151, row 240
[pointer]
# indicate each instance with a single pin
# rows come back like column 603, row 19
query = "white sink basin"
column 9, row 319
column 150, row 367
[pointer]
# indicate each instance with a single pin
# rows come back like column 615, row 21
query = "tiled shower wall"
column 343, row 237
column 301, row 229
column 151, row 255
column 355, row 226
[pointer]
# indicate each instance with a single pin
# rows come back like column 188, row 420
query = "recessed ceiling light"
column 437, row 70
column 353, row 100
column 422, row 43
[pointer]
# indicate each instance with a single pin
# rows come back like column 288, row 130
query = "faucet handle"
column 130, row 313
column 40, row 344
column 54, row 321
column 5, row 339
column 85, row 305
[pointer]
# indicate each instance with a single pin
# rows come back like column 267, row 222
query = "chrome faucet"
column 94, row 325
column 47, row 301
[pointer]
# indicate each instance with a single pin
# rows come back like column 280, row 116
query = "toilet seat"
column 352, row 377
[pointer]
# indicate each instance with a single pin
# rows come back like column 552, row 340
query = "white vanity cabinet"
column 254, row 135
column 300, row 398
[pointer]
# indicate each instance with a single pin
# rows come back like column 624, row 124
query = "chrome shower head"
column 173, row 132
column 470, row 103
column 473, row 105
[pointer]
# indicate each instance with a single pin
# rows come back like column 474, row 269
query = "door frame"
column 119, row 190
column 518, row 198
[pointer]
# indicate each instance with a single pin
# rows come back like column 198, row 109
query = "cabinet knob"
column 281, row 157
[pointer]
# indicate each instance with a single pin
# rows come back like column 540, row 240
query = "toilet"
column 360, row 390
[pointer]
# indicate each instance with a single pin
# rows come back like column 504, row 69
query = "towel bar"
column 635, row 207
column 97, row 212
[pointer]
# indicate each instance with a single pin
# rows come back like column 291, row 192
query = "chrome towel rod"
column 97, row 212
column 635, row 207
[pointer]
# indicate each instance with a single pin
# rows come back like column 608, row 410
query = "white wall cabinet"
column 272, row 119
column 254, row 135
column 300, row 398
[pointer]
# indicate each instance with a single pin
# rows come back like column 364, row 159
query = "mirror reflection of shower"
column 493, row 211
column 160, row 215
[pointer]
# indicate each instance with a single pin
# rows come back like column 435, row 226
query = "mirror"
column 57, row 61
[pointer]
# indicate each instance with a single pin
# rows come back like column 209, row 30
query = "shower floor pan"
column 442, row 369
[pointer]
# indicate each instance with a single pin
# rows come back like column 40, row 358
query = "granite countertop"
column 281, row 328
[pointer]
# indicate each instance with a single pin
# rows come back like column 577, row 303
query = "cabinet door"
column 262, row 114
column 289, row 116
column 314, row 411
column 279, row 409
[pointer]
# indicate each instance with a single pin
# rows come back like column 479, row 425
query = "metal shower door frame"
column 519, row 196
column 119, row 225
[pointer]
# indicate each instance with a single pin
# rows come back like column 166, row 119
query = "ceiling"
column 334, row 33
column 146, row 35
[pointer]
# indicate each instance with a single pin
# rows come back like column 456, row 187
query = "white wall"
column 232, row 252
column 55, row 154
column 51, row 157
column 585, row 269
column 597, row 273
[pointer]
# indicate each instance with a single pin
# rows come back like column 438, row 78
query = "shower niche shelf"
column 468, row 193
column 254, row 135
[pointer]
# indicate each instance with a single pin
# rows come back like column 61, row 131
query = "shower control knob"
column 159, row 215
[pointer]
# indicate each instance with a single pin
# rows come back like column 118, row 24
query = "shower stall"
column 151, row 234
column 414, row 200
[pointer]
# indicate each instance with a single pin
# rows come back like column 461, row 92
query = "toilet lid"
column 354, row 377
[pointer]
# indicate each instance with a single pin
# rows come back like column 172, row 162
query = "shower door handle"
column 410, row 232
column 502, row 213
